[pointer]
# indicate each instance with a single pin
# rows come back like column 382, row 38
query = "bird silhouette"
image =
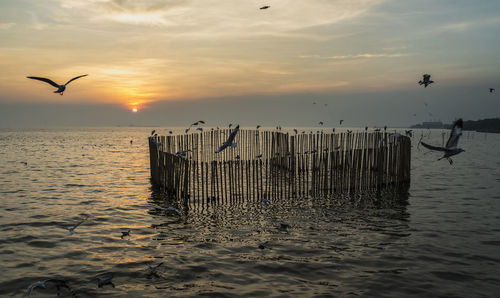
column 230, row 140
column 60, row 88
column 451, row 147
column 426, row 80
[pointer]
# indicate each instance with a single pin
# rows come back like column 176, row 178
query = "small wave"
column 42, row 244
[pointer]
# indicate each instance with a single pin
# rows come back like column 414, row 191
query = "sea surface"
column 439, row 238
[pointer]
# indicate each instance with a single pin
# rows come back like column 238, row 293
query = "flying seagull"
column 492, row 90
column 230, row 140
column 182, row 153
column 60, row 88
column 265, row 7
column 38, row 284
column 451, row 147
column 321, row 123
column 127, row 233
column 152, row 269
column 72, row 229
column 283, row 227
column 426, row 80
column 105, row 280
column 43, row 285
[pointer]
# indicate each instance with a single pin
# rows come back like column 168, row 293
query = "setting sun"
column 134, row 110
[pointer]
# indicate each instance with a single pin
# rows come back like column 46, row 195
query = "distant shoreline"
column 491, row 125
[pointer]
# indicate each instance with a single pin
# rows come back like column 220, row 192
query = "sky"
column 294, row 64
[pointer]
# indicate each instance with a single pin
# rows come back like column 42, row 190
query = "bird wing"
column 456, row 132
column 75, row 78
column 430, row 147
column 233, row 135
column 45, row 80
column 76, row 226
column 222, row 147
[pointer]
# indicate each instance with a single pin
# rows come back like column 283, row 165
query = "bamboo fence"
column 275, row 165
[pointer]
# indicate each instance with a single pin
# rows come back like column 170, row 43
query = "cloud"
column 5, row 26
column 470, row 25
column 222, row 18
column 356, row 56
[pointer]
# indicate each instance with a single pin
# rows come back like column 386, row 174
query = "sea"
column 439, row 237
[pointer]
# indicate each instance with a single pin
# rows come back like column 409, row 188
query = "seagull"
column 426, row 80
column 194, row 124
column 172, row 209
column 38, row 284
column 182, row 153
column 451, row 147
column 105, row 280
column 264, row 7
column 230, row 140
column 200, row 129
column 283, row 227
column 42, row 284
column 153, row 132
column 492, row 90
column 201, row 121
column 295, row 130
column 152, row 269
column 127, row 233
column 60, row 88
column 258, row 126
column 321, row 123
column 72, row 229
column 187, row 129
column 341, row 122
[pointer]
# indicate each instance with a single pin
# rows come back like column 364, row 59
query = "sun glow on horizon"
column 134, row 109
